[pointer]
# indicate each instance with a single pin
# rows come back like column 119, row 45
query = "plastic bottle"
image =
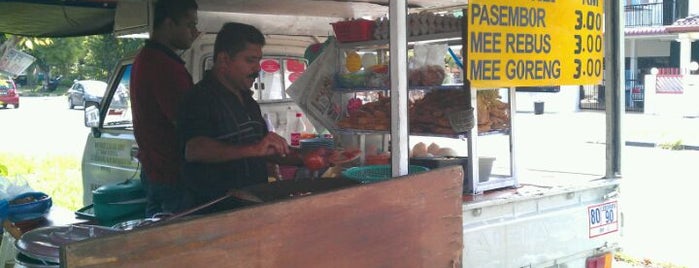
column 297, row 128
column 270, row 126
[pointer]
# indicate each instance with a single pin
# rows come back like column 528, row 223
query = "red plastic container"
column 287, row 172
column 354, row 30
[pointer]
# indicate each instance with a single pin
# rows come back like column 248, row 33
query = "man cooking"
column 225, row 139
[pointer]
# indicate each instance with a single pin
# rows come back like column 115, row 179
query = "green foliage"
column 103, row 53
column 59, row 56
column 675, row 145
column 635, row 261
column 3, row 170
column 58, row 176
column 88, row 57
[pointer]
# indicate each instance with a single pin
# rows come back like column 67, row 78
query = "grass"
column 643, row 262
column 37, row 90
column 56, row 175
column 673, row 145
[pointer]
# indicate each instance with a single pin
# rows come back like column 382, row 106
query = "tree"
column 89, row 57
column 23, row 43
column 104, row 51
column 59, row 57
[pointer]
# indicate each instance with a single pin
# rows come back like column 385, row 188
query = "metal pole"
column 614, row 83
column 399, row 87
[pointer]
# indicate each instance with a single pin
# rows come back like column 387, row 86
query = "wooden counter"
column 411, row 221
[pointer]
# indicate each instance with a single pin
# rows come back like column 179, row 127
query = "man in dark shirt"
column 225, row 139
column 158, row 82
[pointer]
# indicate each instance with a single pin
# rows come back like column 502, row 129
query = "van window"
column 119, row 110
column 276, row 75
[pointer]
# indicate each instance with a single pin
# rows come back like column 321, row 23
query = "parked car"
column 86, row 93
column 8, row 92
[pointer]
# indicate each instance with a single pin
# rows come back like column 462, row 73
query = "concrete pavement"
column 658, row 187
column 637, row 129
column 649, row 130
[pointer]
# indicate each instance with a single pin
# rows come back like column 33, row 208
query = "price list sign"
column 534, row 42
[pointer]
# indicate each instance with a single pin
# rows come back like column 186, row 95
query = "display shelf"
column 456, row 135
column 449, row 38
column 426, row 88
column 471, row 138
column 494, row 182
column 351, row 131
column 495, row 132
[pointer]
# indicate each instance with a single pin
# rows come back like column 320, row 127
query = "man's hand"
column 273, row 144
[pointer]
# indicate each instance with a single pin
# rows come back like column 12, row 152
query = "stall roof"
column 56, row 18
column 63, row 18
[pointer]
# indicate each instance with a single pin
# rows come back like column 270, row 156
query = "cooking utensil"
column 44, row 243
column 113, row 203
column 245, row 196
column 236, row 193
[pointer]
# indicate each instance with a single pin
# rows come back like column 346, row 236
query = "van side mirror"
column 92, row 116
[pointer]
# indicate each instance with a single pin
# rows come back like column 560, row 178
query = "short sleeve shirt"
column 210, row 110
column 159, row 80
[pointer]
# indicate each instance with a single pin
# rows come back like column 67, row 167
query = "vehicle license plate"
column 603, row 218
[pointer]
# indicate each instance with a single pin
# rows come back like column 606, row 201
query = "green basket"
column 369, row 174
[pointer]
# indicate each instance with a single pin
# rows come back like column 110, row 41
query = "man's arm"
column 208, row 150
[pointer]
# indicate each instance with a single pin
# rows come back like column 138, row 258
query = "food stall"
column 454, row 214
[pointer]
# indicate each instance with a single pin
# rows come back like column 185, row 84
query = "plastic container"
column 485, row 164
column 485, row 167
column 29, row 206
column 354, row 30
column 268, row 122
column 119, row 202
column 538, row 107
column 370, row 174
column 297, row 129
column 287, row 172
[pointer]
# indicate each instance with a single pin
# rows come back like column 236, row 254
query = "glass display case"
column 441, row 120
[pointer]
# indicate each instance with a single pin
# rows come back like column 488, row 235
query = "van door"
column 110, row 151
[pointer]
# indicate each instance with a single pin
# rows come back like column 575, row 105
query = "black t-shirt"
column 212, row 111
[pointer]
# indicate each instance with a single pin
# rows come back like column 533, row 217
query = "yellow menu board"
column 534, row 42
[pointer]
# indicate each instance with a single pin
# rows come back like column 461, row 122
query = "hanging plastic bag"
column 9, row 188
column 428, row 65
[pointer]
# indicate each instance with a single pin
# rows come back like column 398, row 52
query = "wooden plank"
column 411, row 221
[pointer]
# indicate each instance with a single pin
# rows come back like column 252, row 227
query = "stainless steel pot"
column 41, row 247
column 24, row 261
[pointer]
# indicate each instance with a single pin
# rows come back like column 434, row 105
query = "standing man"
column 158, row 82
column 225, row 139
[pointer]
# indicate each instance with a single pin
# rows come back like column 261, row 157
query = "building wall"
column 565, row 101
column 649, row 48
column 693, row 7
column 679, row 104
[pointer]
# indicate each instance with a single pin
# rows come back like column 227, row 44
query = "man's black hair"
column 233, row 38
column 173, row 9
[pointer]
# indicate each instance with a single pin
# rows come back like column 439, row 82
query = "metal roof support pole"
column 614, row 83
column 399, row 87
